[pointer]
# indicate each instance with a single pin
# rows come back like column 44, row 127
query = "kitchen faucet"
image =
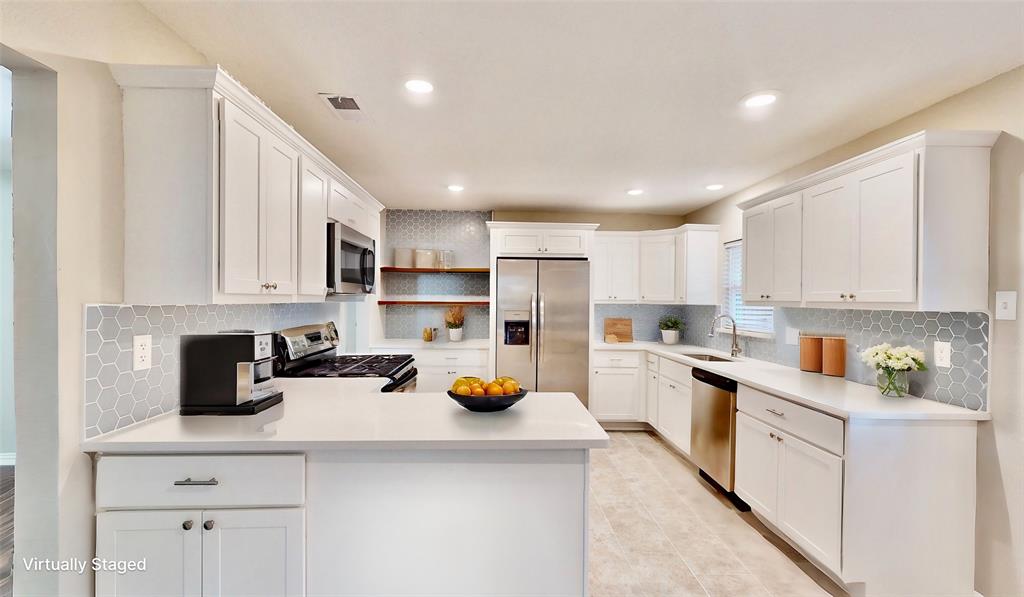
column 736, row 350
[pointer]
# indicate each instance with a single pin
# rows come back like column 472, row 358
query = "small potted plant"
column 454, row 320
column 670, row 326
column 892, row 365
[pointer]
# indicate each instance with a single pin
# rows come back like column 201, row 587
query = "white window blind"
column 749, row 318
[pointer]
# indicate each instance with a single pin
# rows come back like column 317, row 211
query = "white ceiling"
column 566, row 105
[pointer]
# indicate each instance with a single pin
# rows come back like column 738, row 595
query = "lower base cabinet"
column 792, row 484
column 674, row 406
column 434, row 378
column 203, row 552
column 651, row 398
column 615, row 395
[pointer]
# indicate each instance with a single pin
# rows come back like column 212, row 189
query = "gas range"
column 311, row 351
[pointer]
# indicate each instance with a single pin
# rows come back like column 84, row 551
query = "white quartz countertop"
column 401, row 344
column 833, row 395
column 329, row 414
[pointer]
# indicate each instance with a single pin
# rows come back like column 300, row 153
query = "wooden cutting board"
column 620, row 327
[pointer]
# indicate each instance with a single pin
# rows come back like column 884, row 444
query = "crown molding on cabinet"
column 492, row 225
column 920, row 139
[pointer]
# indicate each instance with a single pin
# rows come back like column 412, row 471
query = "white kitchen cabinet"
column 651, row 398
column 212, row 192
column 658, row 269
column 757, row 465
column 540, row 239
column 697, row 265
column 522, row 242
column 772, row 251
column 348, row 209
column 313, row 198
column 616, row 268
column 674, row 405
column 434, row 378
column 565, row 242
column 615, row 394
column 173, row 552
column 810, row 506
column 253, row 552
column 829, row 233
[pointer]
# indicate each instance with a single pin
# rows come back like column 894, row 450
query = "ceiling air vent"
column 345, row 107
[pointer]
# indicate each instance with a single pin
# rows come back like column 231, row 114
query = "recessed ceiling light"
column 635, row 192
column 715, row 187
column 760, row 99
column 419, row 86
column 456, row 188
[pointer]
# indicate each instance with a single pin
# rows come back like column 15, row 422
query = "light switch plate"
column 1006, row 304
column 142, row 352
column 943, row 354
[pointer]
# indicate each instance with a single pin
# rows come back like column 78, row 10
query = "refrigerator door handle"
column 533, row 322
column 540, row 337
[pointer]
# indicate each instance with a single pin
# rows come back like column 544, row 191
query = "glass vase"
column 893, row 383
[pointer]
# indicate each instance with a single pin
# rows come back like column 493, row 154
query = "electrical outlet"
column 142, row 353
column 1006, row 304
column 942, row 353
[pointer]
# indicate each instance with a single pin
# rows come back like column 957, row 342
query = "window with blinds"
column 750, row 319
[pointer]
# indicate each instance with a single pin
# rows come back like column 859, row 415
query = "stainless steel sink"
column 707, row 357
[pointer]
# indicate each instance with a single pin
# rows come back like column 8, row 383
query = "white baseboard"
column 6, row 458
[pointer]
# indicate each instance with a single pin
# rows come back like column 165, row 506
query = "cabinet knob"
column 771, row 435
column 187, row 525
column 208, row 525
column 767, row 296
column 274, row 285
column 853, row 296
column 778, row 438
column 842, row 296
column 265, row 285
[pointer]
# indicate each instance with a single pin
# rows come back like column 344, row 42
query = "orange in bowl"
column 494, row 389
column 510, row 387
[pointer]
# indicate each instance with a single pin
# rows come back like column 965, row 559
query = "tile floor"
column 658, row 530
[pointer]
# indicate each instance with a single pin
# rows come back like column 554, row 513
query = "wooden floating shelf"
column 416, row 302
column 434, row 270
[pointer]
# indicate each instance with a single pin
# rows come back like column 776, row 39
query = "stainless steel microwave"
column 351, row 263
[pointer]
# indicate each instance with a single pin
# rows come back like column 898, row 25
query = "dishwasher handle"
column 714, row 379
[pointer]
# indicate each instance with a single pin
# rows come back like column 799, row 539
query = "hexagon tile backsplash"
column 116, row 396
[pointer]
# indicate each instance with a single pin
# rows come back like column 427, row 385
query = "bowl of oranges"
column 482, row 396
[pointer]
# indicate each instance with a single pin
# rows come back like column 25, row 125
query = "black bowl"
column 487, row 404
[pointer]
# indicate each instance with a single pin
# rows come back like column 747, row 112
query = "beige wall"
column 997, row 104
column 77, row 41
column 608, row 221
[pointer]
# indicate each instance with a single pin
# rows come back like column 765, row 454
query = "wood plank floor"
column 658, row 530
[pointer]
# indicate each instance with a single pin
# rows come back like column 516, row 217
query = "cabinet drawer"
column 451, row 358
column 607, row 358
column 652, row 362
column 810, row 425
column 676, row 372
column 241, row 481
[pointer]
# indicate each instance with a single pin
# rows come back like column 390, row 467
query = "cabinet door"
column 624, row 269
column 173, row 554
column 600, row 265
column 281, row 209
column 757, row 253
column 757, row 465
column 243, row 143
column 786, row 249
column 254, row 552
column 885, row 256
column 565, row 242
column 829, row 232
column 519, row 242
column 313, row 230
column 674, row 404
column 651, row 398
column 657, row 269
column 810, row 498
column 616, row 394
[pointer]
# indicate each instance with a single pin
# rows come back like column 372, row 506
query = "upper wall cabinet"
column 657, row 266
column 523, row 239
column 224, row 201
column 902, row 227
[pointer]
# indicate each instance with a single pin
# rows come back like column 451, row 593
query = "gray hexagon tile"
column 964, row 384
column 462, row 232
column 116, row 396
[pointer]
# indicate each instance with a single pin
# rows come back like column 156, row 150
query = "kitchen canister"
column 403, row 258
column 810, row 353
column 833, row 356
column 446, row 259
column 426, row 259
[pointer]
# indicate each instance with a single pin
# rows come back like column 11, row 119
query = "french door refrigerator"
column 543, row 324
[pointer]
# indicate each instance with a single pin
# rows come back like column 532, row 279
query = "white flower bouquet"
column 892, row 365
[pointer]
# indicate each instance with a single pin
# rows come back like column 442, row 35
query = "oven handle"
column 400, row 383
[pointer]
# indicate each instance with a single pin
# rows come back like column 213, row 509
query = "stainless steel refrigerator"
column 543, row 324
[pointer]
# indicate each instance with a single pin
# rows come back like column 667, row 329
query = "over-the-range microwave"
column 351, row 264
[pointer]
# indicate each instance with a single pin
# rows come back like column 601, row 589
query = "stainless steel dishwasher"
column 713, row 430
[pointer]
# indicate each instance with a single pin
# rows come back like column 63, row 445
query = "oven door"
column 405, row 383
column 351, row 263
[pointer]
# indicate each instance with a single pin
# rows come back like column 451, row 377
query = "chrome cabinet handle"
column 775, row 412
column 274, row 285
column 187, row 525
column 189, row 482
column 208, row 525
